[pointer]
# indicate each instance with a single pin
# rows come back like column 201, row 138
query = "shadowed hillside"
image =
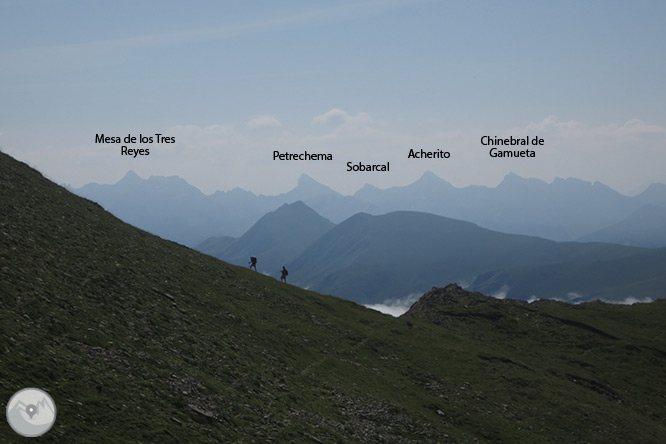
column 370, row 259
column 138, row 339
column 277, row 238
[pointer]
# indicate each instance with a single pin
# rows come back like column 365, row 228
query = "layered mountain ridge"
column 564, row 210
column 276, row 239
column 392, row 256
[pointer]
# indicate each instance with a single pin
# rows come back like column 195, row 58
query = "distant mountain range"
column 371, row 259
column 645, row 227
column 276, row 239
column 375, row 253
column 175, row 210
column 564, row 210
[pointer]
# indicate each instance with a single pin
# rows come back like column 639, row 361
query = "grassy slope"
column 142, row 340
column 558, row 370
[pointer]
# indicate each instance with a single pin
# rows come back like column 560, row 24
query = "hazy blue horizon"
column 296, row 184
column 364, row 81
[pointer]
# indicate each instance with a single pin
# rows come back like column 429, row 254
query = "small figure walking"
column 253, row 263
column 284, row 272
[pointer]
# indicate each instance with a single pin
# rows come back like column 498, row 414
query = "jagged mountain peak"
column 308, row 190
column 306, row 181
column 368, row 187
column 514, row 180
column 292, row 210
column 130, row 177
column 170, row 182
column 430, row 179
column 572, row 181
column 234, row 192
column 297, row 205
column 429, row 175
column 655, row 194
column 308, row 187
column 655, row 187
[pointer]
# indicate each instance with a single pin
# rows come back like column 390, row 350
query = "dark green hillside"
column 142, row 340
column 549, row 365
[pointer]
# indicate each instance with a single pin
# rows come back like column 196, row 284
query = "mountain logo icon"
column 31, row 412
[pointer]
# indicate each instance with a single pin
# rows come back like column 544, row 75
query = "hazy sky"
column 366, row 81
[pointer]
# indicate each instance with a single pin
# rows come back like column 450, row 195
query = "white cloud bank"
column 395, row 307
column 501, row 294
column 336, row 117
column 629, row 300
column 262, row 122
